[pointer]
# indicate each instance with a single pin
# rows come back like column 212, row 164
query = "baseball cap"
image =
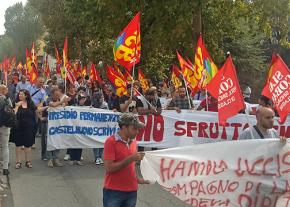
column 130, row 119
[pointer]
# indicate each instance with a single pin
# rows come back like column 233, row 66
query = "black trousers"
column 75, row 154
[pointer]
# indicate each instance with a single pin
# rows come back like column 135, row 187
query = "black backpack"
column 7, row 115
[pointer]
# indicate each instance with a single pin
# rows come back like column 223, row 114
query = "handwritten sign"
column 246, row 173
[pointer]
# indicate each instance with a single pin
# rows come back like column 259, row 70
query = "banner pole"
column 145, row 99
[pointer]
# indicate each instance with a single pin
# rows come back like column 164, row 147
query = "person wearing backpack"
column 4, row 130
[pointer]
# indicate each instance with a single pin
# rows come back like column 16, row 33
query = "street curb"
column 7, row 197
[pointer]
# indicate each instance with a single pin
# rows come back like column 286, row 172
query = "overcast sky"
column 4, row 5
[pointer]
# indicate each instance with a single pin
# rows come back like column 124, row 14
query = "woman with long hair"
column 23, row 135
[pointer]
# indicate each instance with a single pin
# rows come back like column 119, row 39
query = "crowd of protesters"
column 31, row 102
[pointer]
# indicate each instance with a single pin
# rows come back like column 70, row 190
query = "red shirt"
column 125, row 179
column 212, row 104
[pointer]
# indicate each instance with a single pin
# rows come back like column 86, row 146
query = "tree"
column 242, row 27
column 23, row 27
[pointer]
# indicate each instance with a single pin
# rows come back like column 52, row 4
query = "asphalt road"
column 70, row 186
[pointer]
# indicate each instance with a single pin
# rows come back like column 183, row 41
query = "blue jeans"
column 98, row 152
column 115, row 198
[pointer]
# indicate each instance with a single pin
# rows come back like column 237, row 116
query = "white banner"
column 245, row 173
column 85, row 127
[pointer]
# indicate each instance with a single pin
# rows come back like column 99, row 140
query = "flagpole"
column 133, row 73
column 65, row 79
column 145, row 100
column 206, row 93
column 189, row 102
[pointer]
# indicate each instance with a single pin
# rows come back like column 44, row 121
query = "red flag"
column 225, row 87
column 28, row 61
column 270, row 71
column 127, row 76
column 118, row 70
column 277, row 87
column 127, row 47
column 187, row 72
column 47, row 69
column 65, row 60
column 64, row 53
column 69, row 75
column 84, row 71
column 143, row 81
column 58, row 60
column 95, row 75
column 33, row 75
column 176, row 76
column 33, row 55
column 119, row 83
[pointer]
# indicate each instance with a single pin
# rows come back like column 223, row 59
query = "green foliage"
column 23, row 27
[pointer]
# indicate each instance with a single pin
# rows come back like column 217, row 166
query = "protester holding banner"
column 52, row 156
column 120, row 155
column 76, row 154
column 113, row 102
column 181, row 101
column 22, row 134
column 150, row 104
column 72, row 93
column 128, row 103
column 98, row 152
column 264, row 127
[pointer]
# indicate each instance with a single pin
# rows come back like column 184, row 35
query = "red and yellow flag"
column 127, row 46
column 188, row 72
column 84, row 71
column 31, row 68
column 143, row 81
column 13, row 62
column 65, row 59
column 33, row 75
column 33, row 55
column 205, row 69
column 95, row 76
column 64, row 53
column 176, row 76
column 119, row 83
column 127, row 76
column 20, row 67
column 118, row 70
column 28, row 61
